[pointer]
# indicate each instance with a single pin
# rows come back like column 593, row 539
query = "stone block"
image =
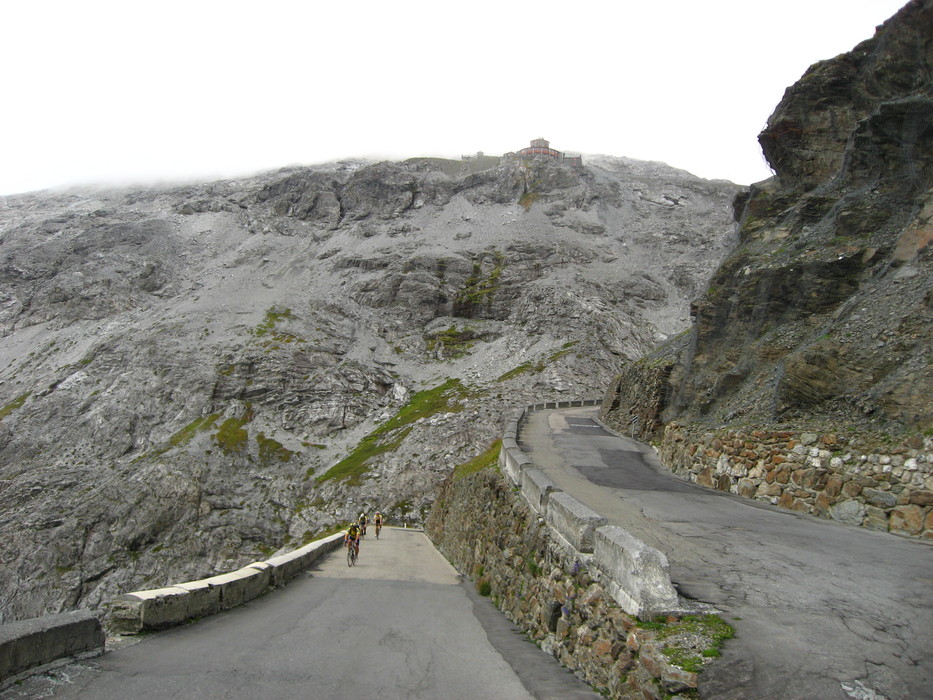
column 638, row 576
column 848, row 512
column 154, row 609
column 238, row 587
column 882, row 499
column 574, row 521
column 907, row 520
column 875, row 518
column 203, row 598
column 26, row 644
column 537, row 488
column 515, row 461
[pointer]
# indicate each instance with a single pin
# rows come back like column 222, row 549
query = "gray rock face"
column 192, row 378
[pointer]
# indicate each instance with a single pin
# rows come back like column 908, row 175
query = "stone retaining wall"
column 849, row 478
column 487, row 531
column 823, row 474
column 576, row 585
column 577, row 527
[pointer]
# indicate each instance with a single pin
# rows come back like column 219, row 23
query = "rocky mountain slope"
column 193, row 377
column 819, row 322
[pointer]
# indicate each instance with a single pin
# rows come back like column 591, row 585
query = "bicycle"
column 351, row 554
column 378, row 528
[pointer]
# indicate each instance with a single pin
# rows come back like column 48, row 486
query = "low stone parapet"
column 27, row 644
column 160, row 608
column 636, row 575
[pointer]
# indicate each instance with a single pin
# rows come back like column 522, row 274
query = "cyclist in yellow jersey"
column 352, row 538
column 363, row 520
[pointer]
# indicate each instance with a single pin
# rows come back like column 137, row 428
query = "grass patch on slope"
column 444, row 398
column 231, row 436
column 535, row 367
column 489, row 458
column 14, row 404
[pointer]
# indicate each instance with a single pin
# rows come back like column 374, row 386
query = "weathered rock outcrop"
column 820, row 320
column 194, row 377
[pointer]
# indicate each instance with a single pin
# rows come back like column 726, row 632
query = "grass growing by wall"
column 712, row 629
column 445, row 398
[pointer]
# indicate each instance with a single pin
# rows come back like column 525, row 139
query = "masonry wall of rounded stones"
column 487, row 531
column 846, row 477
column 823, row 474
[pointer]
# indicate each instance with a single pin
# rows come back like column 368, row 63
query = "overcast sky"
column 133, row 92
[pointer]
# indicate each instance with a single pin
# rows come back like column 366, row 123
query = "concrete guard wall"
column 636, row 575
column 160, row 608
column 28, row 644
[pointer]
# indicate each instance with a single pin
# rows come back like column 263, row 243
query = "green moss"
column 271, row 450
column 479, row 289
column 273, row 316
column 14, row 404
column 231, row 436
column 268, row 328
column 183, row 436
column 456, row 342
column 487, row 459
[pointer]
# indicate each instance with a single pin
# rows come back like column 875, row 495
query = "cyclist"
column 362, row 523
column 377, row 521
column 352, row 538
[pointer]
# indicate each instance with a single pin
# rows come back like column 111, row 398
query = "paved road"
column 821, row 610
column 397, row 625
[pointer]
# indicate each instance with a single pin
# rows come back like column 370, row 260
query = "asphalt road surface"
column 821, row 610
column 399, row 624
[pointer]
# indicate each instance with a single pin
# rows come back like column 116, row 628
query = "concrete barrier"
column 537, row 488
column 27, row 644
column 639, row 575
column 574, row 521
column 160, row 608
